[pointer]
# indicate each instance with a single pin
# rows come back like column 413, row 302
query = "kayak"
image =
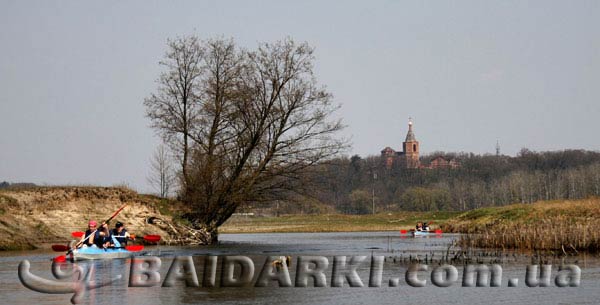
column 425, row 233
column 89, row 253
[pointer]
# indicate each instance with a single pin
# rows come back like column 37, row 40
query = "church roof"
column 410, row 136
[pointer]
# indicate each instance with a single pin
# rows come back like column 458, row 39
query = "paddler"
column 102, row 237
column 86, row 239
column 121, row 234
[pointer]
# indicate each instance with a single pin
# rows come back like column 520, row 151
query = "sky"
column 74, row 74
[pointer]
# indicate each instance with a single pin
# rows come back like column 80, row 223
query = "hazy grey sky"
column 74, row 75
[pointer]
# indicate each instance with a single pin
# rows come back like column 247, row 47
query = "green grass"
column 332, row 222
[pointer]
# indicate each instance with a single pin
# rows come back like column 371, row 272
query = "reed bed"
column 564, row 227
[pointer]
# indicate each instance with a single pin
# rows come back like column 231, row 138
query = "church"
column 409, row 156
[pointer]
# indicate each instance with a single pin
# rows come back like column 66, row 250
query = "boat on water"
column 91, row 253
column 415, row 233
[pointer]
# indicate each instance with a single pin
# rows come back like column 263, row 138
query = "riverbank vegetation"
column 32, row 217
column 563, row 227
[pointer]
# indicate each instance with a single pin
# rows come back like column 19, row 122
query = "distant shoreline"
column 34, row 218
column 562, row 227
column 334, row 222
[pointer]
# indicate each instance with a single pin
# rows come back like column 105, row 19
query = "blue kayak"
column 425, row 233
column 88, row 253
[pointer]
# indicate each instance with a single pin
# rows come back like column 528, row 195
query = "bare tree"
column 162, row 176
column 173, row 108
column 260, row 121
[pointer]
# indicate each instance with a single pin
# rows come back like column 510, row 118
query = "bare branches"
column 162, row 175
column 173, row 108
column 256, row 120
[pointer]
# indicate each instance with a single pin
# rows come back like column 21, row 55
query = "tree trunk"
column 202, row 231
column 206, row 234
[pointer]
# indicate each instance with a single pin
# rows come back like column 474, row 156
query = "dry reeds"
column 567, row 227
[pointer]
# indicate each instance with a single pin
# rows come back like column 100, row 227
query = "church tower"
column 410, row 147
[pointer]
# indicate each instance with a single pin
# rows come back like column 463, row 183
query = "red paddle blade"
column 60, row 259
column 60, row 248
column 77, row 234
column 402, row 231
column 152, row 238
column 438, row 231
column 134, row 248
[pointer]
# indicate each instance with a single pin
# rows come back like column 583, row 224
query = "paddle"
column 81, row 242
column 60, row 259
column 436, row 231
column 77, row 234
column 134, row 248
column 60, row 248
column 152, row 238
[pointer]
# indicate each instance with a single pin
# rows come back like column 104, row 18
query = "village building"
column 443, row 162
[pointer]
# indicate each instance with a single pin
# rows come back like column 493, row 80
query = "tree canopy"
column 246, row 125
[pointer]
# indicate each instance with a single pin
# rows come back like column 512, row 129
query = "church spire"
column 410, row 148
column 410, row 136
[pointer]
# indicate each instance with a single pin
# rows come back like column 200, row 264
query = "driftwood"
column 180, row 234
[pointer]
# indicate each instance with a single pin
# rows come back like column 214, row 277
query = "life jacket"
column 120, row 236
column 88, row 241
column 99, row 241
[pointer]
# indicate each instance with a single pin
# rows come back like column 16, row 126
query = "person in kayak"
column 120, row 234
column 86, row 239
column 419, row 226
column 102, row 237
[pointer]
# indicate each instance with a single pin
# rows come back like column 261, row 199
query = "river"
column 397, row 250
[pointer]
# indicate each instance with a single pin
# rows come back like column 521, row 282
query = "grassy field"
column 333, row 222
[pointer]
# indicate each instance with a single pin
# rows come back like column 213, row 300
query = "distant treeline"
column 5, row 185
column 348, row 184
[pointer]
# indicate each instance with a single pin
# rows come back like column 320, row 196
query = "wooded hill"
column 347, row 184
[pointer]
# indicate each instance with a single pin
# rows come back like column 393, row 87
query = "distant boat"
column 415, row 233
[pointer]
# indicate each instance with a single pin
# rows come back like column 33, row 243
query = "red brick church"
column 409, row 156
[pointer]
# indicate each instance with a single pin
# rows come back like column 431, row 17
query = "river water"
column 398, row 252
